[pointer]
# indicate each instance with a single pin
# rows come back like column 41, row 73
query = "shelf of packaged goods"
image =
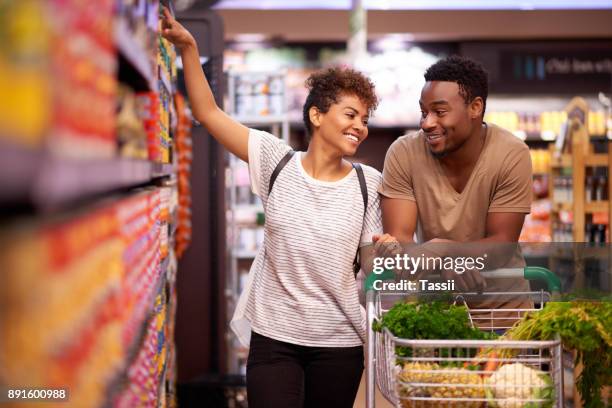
column 173, row 222
column 244, row 254
column 557, row 207
column 61, row 181
column 564, row 160
column 165, row 79
column 137, row 342
column 163, row 270
column 18, row 168
column 133, row 52
column 37, row 177
column 162, row 169
column 596, row 206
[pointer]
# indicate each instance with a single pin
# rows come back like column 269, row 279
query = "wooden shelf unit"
column 578, row 154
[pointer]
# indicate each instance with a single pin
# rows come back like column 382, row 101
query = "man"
column 458, row 179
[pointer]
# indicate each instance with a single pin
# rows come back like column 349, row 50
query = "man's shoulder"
column 506, row 141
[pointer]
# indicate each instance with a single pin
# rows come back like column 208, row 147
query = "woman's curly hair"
column 327, row 86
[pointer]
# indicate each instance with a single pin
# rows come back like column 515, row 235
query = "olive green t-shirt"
column 500, row 182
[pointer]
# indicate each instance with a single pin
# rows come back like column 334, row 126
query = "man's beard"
column 446, row 151
column 439, row 155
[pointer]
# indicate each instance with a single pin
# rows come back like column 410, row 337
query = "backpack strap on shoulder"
column 364, row 194
column 362, row 185
column 281, row 164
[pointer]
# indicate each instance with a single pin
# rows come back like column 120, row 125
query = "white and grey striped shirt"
column 302, row 289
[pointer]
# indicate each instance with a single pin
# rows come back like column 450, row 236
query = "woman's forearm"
column 200, row 95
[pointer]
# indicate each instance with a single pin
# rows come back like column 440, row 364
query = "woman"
column 308, row 329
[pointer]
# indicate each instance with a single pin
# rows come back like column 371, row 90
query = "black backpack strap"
column 364, row 194
column 278, row 169
column 362, row 185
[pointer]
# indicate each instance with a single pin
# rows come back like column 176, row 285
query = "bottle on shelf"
column 600, row 189
column 588, row 191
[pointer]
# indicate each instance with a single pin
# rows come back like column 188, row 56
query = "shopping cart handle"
column 553, row 283
column 542, row 274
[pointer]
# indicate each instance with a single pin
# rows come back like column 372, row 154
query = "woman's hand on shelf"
column 230, row 133
column 174, row 32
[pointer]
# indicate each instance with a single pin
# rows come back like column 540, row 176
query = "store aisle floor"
column 360, row 401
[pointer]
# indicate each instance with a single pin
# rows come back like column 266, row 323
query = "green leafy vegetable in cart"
column 428, row 321
column 583, row 326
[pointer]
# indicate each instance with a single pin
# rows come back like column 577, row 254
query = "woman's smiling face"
column 345, row 125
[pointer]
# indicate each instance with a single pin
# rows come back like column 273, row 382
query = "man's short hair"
column 467, row 73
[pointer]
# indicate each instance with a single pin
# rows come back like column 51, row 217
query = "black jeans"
column 284, row 375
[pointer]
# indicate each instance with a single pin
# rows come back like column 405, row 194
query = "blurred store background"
column 126, row 232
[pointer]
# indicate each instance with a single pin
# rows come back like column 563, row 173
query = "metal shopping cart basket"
column 528, row 374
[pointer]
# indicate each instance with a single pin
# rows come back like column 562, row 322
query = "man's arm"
column 499, row 244
column 504, row 227
column 399, row 218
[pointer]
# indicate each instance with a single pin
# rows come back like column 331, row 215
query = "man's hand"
column 174, row 32
column 386, row 245
column 467, row 281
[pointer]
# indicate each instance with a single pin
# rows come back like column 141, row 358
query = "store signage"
column 559, row 72
column 544, row 66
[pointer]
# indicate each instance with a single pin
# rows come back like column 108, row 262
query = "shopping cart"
column 434, row 373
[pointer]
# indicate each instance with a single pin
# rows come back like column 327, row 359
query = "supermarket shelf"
column 163, row 270
column 244, row 254
column 47, row 182
column 597, row 206
column 165, row 79
column 132, row 51
column 161, row 169
column 597, row 160
column 18, row 168
column 60, row 181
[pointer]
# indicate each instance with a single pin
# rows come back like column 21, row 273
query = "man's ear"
column 315, row 116
column 476, row 107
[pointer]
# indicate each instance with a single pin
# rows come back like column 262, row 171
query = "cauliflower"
column 519, row 386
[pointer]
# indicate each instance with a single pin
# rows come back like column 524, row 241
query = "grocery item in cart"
column 436, row 381
column 515, row 385
column 439, row 359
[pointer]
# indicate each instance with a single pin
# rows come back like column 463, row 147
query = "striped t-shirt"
column 302, row 288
